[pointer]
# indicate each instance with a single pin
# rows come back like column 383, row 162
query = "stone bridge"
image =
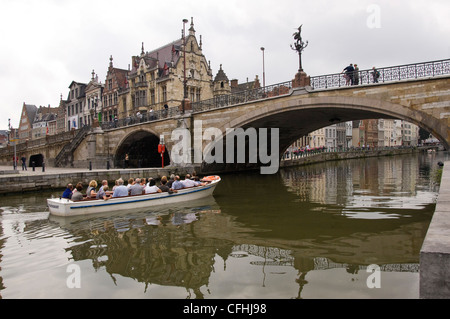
column 293, row 111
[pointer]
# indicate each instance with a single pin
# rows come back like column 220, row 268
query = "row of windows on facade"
column 140, row 99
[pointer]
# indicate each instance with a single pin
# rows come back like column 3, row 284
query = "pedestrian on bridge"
column 375, row 74
column 348, row 74
column 356, row 75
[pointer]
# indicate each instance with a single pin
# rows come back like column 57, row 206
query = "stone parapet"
column 435, row 252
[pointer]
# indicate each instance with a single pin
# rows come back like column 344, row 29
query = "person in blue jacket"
column 68, row 192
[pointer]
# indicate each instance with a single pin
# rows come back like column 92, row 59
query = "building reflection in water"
column 155, row 249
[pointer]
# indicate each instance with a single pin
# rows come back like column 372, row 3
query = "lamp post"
column 264, row 72
column 184, row 69
column 14, row 139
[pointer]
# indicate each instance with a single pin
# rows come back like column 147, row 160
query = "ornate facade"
column 157, row 78
column 94, row 93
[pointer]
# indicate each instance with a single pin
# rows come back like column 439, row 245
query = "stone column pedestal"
column 301, row 80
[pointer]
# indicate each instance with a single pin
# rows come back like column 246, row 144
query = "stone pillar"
column 301, row 80
column 187, row 105
column 95, row 149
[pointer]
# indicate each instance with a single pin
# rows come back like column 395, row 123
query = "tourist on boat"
column 68, row 192
column 151, row 187
column 103, row 193
column 195, row 176
column 121, row 190
column 188, row 182
column 101, row 189
column 136, row 188
column 163, row 187
column 116, row 183
column 171, row 180
column 130, row 183
column 77, row 196
column 90, row 192
column 177, row 184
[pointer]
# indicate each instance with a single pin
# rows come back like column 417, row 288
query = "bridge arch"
column 141, row 145
column 300, row 115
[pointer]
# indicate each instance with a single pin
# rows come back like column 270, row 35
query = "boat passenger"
column 151, row 187
column 121, row 190
column 171, row 180
column 188, row 182
column 68, row 192
column 163, row 187
column 104, row 182
column 103, row 193
column 116, row 183
column 130, row 182
column 177, row 184
column 90, row 192
column 195, row 176
column 136, row 188
column 77, row 196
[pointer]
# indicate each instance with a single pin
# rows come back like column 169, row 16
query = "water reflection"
column 154, row 247
column 291, row 235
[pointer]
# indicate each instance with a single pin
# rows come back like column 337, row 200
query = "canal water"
column 337, row 230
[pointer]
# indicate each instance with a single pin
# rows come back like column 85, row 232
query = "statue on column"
column 301, row 79
column 299, row 45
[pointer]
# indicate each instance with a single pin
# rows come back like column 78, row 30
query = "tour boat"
column 66, row 207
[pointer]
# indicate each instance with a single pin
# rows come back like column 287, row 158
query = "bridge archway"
column 37, row 160
column 142, row 149
column 300, row 116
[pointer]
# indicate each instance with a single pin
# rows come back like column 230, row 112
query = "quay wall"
column 52, row 179
column 336, row 156
column 55, row 178
column 435, row 252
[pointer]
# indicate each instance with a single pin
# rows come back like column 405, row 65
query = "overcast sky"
column 47, row 44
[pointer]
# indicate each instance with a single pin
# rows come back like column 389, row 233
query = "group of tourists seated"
column 137, row 186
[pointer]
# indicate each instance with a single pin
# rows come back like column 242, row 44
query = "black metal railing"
column 142, row 118
column 243, row 97
column 387, row 74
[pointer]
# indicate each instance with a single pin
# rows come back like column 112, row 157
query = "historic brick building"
column 26, row 122
column 116, row 84
column 74, row 105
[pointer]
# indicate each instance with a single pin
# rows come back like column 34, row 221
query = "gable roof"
column 31, row 112
column 161, row 58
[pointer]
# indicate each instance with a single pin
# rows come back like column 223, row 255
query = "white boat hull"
column 66, row 207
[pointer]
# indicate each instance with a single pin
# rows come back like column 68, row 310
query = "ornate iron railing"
column 242, row 97
column 387, row 74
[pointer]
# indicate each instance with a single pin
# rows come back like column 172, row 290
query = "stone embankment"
column 57, row 178
column 48, row 178
column 336, row 156
column 435, row 252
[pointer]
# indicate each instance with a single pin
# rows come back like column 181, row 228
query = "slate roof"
column 163, row 57
column 221, row 76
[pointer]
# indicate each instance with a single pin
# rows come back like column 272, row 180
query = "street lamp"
column 14, row 139
column 264, row 72
column 184, row 57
